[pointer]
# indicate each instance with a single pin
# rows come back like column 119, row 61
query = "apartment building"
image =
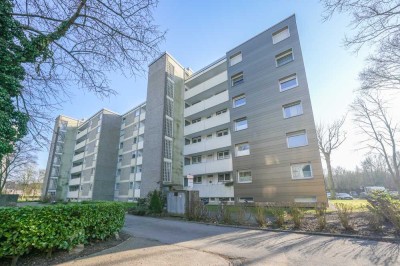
column 55, row 183
column 239, row 130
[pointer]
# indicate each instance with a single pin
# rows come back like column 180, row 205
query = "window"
column 196, row 120
column 170, row 89
column 237, row 79
column 223, row 132
column 63, row 125
column 280, row 35
column 137, row 113
column 170, row 70
column 132, row 169
column 118, row 172
column 301, row 171
column 169, row 106
column 239, row 101
column 292, row 109
column 209, row 136
column 235, row 59
column 224, row 177
column 240, row 124
column 168, row 127
column 61, row 136
column 167, row 171
column 98, row 129
column 244, row 176
column 134, row 141
column 121, row 145
column 196, row 159
column 122, row 132
column 168, row 149
column 221, row 112
column 221, row 155
column 197, row 179
column 284, row 58
column 246, row 199
column 311, row 199
column 139, row 153
column 92, row 172
column 116, row 186
column 297, row 139
column 138, row 169
column 242, row 149
column 119, row 158
column 288, row 83
column 196, row 139
column 130, row 185
column 134, row 155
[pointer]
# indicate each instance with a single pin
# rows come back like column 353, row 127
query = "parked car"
column 328, row 195
column 363, row 195
column 354, row 194
column 343, row 196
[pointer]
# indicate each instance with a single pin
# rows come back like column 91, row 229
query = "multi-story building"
column 240, row 129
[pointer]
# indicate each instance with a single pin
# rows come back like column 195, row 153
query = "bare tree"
column 13, row 164
column 377, row 24
column 80, row 42
column 372, row 117
column 330, row 137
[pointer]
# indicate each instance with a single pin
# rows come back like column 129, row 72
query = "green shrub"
column 259, row 215
column 297, row 215
column 385, row 207
column 320, row 213
column 279, row 215
column 155, row 202
column 57, row 226
column 243, row 214
column 344, row 211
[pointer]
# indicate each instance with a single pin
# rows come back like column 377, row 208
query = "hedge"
column 57, row 226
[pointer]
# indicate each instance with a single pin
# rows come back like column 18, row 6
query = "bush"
column 155, row 202
column 297, row 215
column 320, row 213
column 260, row 216
column 386, row 207
column 344, row 211
column 57, row 226
column 243, row 214
column 279, row 215
column 224, row 214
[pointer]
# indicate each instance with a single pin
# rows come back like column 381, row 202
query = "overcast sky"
column 199, row 32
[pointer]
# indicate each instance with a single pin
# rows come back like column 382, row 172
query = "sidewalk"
column 141, row 251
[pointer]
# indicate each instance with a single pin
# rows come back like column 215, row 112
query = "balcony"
column 80, row 145
column 208, row 145
column 78, row 157
column 141, row 130
column 74, row 181
column 138, row 177
column 73, row 194
column 82, row 133
column 214, row 190
column 136, row 193
column 139, row 160
column 216, row 166
column 76, row 169
column 207, row 124
column 140, row 145
column 206, row 85
column 208, row 104
column 142, row 116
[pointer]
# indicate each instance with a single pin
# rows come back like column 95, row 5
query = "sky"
column 199, row 32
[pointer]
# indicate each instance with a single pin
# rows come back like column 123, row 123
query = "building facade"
column 239, row 130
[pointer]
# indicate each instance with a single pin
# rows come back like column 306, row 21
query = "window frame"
column 294, row 134
column 286, row 79
column 283, row 54
column 197, row 159
column 223, row 131
column 292, row 104
column 239, row 97
column 303, row 164
column 239, row 81
column 238, row 176
column 237, row 146
column 234, row 56
column 224, row 180
column 239, row 120
column 225, row 155
column 278, row 32
column 197, row 178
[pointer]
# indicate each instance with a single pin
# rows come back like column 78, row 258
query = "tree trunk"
column 331, row 185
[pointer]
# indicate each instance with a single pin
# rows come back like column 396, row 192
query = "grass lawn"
column 357, row 204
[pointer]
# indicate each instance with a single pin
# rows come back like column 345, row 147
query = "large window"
column 280, row 35
column 168, row 149
column 170, row 89
column 221, row 155
column 235, row 59
column 292, row 109
column 196, row 159
column 244, row 176
column 240, row 123
column 168, row 127
column 284, row 58
column 224, row 177
column 237, row 79
column 288, row 83
column 197, row 179
column 242, row 149
column 169, row 106
column 297, row 139
column 167, row 171
column 301, row 171
column 239, row 101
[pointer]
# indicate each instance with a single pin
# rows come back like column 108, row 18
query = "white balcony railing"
column 141, row 130
column 76, row 169
column 216, row 166
column 73, row 194
column 139, row 160
column 208, row 103
column 78, row 157
column 142, row 116
column 136, row 194
column 214, row 190
column 207, row 123
column 208, row 144
column 80, row 145
column 140, row 145
column 74, row 181
column 82, row 133
column 138, row 177
column 206, row 85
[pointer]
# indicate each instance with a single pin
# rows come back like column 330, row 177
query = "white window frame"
column 224, row 179
column 244, row 182
column 222, row 155
column 198, row 179
column 237, row 79
column 286, row 79
column 239, row 153
column 293, row 104
column 301, row 165
column 235, row 59
column 309, row 199
column 223, row 132
column 220, row 112
column 239, row 97
column 246, row 199
column 295, row 134
column 197, row 120
column 196, row 139
column 277, row 34
column 195, row 159
column 239, row 120
column 283, row 54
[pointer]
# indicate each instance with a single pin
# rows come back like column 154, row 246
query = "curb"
column 372, row 238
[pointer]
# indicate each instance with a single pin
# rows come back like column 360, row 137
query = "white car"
column 343, row 196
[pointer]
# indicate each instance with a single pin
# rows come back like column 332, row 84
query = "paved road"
column 253, row 247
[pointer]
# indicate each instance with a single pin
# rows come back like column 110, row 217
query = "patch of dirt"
column 60, row 256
